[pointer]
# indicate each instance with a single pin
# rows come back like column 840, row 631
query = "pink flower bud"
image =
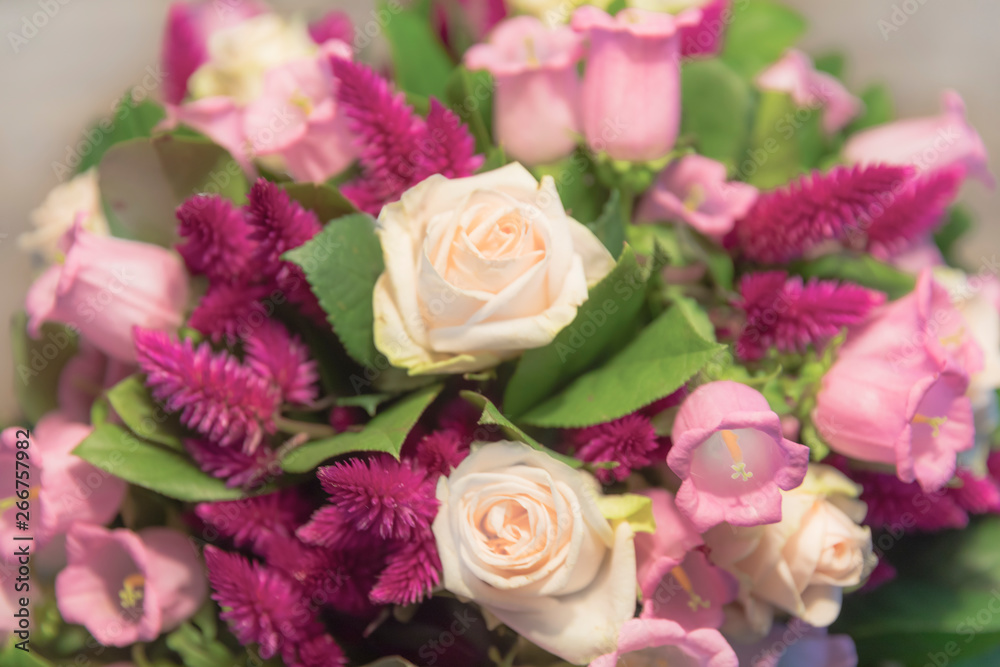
column 796, row 75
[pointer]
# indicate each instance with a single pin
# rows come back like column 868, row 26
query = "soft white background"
column 78, row 64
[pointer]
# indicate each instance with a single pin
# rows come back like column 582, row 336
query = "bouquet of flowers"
column 559, row 335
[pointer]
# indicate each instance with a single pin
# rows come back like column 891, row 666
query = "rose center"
column 505, row 525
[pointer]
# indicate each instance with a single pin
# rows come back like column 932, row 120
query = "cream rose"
column 479, row 269
column 801, row 564
column 520, row 534
column 79, row 196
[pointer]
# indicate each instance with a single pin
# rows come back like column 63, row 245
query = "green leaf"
column 419, row 60
column 38, row 363
column 786, row 141
column 958, row 223
column 123, row 454
column 323, row 200
column 368, row 402
column 602, row 323
column 492, row 417
column 609, row 227
column 696, row 317
column 580, row 192
column 861, row 269
column 385, row 433
column 760, row 33
column 470, row 95
column 130, row 120
column 197, row 649
column 656, row 363
column 878, row 109
column 717, row 110
column 144, row 180
column 946, row 591
column 342, row 263
column 15, row 657
column 831, row 63
column 143, row 415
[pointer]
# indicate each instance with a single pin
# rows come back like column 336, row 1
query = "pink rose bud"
column 732, row 458
column 537, row 87
column 655, row 641
column 126, row 587
column 694, row 189
column 795, row 74
column 897, row 393
column 105, row 287
column 930, row 143
column 631, row 102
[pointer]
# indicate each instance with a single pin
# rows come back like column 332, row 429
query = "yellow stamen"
column 695, row 198
column 935, row 423
column 694, row 600
column 954, row 339
column 302, row 102
column 529, row 47
column 733, row 445
column 131, row 592
column 7, row 503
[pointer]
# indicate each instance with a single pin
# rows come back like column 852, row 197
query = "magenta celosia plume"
column 216, row 237
column 237, row 467
column 784, row 313
column 272, row 352
column 216, row 395
column 629, row 441
column 256, row 521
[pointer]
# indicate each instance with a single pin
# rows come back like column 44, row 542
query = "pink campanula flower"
column 897, row 393
column 106, row 286
column 702, row 39
column 655, row 641
column 676, row 579
column 85, row 377
column 929, row 143
column 694, row 189
column 537, row 87
column 631, row 98
column 64, row 489
column 127, row 587
column 732, row 458
column 795, row 74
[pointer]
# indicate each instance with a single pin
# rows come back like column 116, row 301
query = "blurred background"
column 78, row 63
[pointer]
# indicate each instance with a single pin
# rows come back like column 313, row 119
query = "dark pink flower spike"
column 318, row 651
column 630, row 441
column 262, row 606
column 440, row 451
column 277, row 223
column 787, row 222
column 411, row 573
column 915, row 211
column 215, row 394
column 452, row 150
column 381, row 494
column 256, row 521
column 216, row 236
column 790, row 315
column 227, row 312
column 274, row 353
column 332, row 25
column 184, row 50
column 232, row 464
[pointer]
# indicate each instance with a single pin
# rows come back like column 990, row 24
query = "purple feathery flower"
column 783, row 312
column 318, row 651
column 232, row 464
column 630, row 441
column 330, row 528
column 261, row 605
column 914, row 212
column 817, row 207
column 226, row 311
column 183, row 51
column 277, row 223
column 398, row 148
column 440, row 451
column 410, row 574
column 274, row 353
column 216, row 238
column 332, row 25
column 256, row 521
column 976, row 495
column 452, row 150
column 383, row 494
column 215, row 394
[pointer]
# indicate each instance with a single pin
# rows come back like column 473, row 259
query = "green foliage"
column 130, row 120
column 385, row 433
column 38, row 362
column 143, row 415
column 958, row 223
column 322, row 199
column 831, row 63
column 419, row 60
column 656, row 363
column 760, row 33
column 609, row 227
column 864, row 270
column 603, row 323
column 122, row 454
column 198, row 646
column 470, row 95
column 342, row 263
column 786, row 141
column 582, row 195
column 717, row 110
column 878, row 109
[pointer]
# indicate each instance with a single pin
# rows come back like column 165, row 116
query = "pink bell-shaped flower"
column 732, row 458
column 796, row 75
column 656, row 641
column 536, row 103
column 127, row 587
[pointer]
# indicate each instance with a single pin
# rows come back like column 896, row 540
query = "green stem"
column 311, row 429
column 139, row 656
